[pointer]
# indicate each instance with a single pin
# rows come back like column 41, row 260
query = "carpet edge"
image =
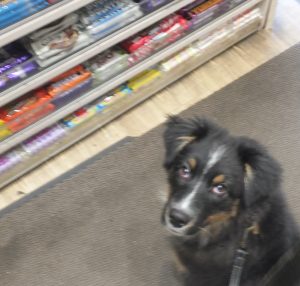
column 73, row 172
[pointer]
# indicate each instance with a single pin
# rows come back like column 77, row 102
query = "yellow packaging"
column 4, row 131
column 143, row 79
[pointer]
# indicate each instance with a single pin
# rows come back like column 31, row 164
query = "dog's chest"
column 220, row 257
column 211, row 266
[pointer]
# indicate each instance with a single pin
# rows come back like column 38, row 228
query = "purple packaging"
column 207, row 16
column 150, row 5
column 12, row 55
column 12, row 62
column 184, row 11
column 17, row 73
column 43, row 139
column 202, row 12
column 9, row 160
column 69, row 95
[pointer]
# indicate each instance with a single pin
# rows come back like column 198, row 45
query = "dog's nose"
column 178, row 218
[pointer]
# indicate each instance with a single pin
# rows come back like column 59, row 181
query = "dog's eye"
column 219, row 190
column 184, row 172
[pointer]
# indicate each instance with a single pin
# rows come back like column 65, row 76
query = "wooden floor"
column 209, row 78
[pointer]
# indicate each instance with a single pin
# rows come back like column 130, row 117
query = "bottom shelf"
column 126, row 103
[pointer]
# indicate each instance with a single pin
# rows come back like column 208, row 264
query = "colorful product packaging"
column 10, row 159
column 165, row 32
column 26, row 110
column 104, row 17
column 203, row 13
column 150, row 5
column 14, row 11
column 108, row 64
column 43, row 139
column 68, row 80
column 176, row 60
column 143, row 79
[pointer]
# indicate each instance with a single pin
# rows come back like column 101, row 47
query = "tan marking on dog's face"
column 223, row 216
column 217, row 222
column 192, row 163
column 185, row 140
column 217, row 218
column 215, row 229
column 218, row 179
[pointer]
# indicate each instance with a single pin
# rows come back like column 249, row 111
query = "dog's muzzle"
column 178, row 219
column 178, row 222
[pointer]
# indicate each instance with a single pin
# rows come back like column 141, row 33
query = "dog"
column 225, row 210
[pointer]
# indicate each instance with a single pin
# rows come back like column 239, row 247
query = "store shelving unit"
column 40, row 19
column 52, row 71
column 125, row 104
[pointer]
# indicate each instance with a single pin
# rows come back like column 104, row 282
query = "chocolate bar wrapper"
column 55, row 27
column 206, row 12
column 11, row 56
column 104, row 10
column 166, row 32
column 17, row 74
column 48, row 58
column 102, row 28
column 105, row 65
column 9, row 160
column 73, row 93
column 43, row 139
column 150, row 5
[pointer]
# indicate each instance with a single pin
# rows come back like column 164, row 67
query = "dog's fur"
column 221, row 186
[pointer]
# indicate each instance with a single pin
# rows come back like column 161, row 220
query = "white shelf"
column 102, row 89
column 52, row 71
column 40, row 19
column 126, row 103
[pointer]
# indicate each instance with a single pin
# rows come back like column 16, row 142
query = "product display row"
column 46, row 46
column 74, row 83
column 87, row 62
column 104, row 11
column 80, row 77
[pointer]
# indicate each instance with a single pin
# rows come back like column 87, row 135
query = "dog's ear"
column 181, row 132
column 262, row 171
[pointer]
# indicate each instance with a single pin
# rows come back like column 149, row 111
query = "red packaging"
column 167, row 31
column 71, row 80
column 73, row 70
column 145, row 37
column 133, row 44
column 26, row 110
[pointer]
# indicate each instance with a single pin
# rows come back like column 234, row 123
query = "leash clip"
column 241, row 255
column 238, row 265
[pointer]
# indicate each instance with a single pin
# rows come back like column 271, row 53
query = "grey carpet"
column 100, row 224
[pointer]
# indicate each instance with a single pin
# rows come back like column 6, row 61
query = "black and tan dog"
column 225, row 208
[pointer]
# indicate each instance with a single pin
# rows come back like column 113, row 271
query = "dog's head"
column 213, row 176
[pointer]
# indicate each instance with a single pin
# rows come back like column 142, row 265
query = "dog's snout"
column 178, row 218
